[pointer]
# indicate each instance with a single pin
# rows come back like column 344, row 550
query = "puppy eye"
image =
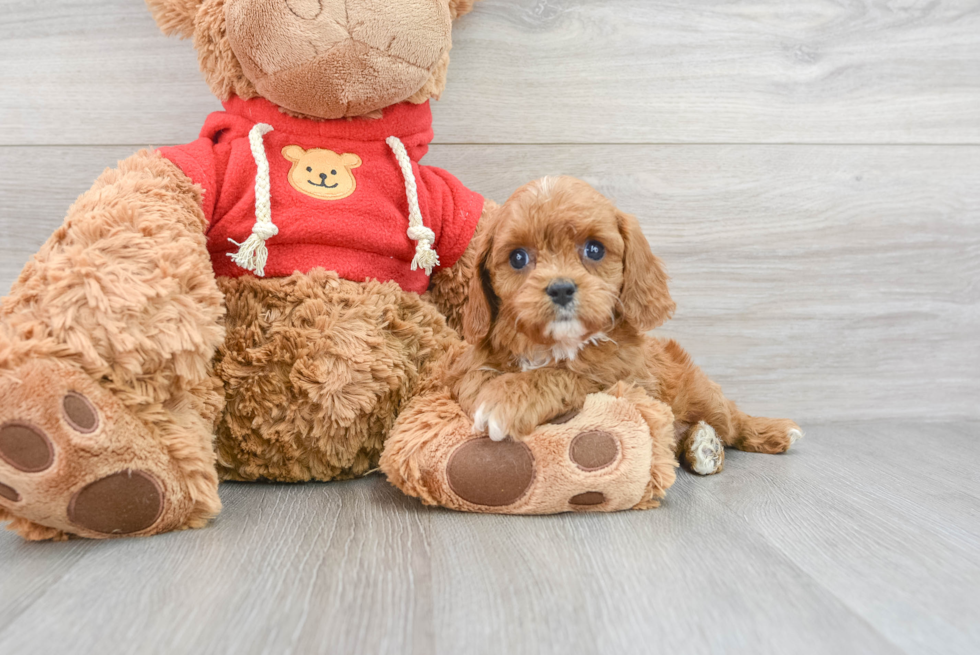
column 594, row 250
column 519, row 259
column 309, row 169
column 333, row 172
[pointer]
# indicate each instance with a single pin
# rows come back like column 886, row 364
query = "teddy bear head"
column 319, row 58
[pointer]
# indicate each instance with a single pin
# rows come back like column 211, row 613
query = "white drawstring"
column 253, row 254
column 425, row 256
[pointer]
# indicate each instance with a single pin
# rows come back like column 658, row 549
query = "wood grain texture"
column 822, row 282
column 551, row 71
column 868, row 481
column 853, row 542
column 343, row 568
column 817, row 282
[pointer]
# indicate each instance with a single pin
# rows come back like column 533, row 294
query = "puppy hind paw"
column 704, row 452
column 768, row 435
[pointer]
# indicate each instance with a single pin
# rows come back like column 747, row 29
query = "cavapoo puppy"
column 566, row 290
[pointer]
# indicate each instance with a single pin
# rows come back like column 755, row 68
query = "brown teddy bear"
column 247, row 306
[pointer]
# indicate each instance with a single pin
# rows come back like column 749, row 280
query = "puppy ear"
column 482, row 302
column 645, row 297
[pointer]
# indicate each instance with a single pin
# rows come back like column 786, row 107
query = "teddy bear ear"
column 175, row 17
column 350, row 160
column 293, row 153
column 459, row 8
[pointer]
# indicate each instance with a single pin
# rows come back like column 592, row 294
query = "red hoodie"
column 338, row 196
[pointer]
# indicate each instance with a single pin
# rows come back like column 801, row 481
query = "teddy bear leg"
column 614, row 454
column 106, row 343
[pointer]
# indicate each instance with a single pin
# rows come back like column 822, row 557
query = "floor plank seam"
column 796, row 567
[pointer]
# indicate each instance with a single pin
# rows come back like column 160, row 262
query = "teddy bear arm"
column 115, row 322
column 130, row 259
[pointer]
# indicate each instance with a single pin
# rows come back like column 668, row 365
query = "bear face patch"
column 322, row 173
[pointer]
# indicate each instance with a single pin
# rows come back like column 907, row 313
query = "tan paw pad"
column 80, row 413
column 588, row 499
column 9, row 493
column 594, row 450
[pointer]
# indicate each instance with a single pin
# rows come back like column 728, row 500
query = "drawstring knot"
column 253, row 253
column 265, row 231
column 426, row 257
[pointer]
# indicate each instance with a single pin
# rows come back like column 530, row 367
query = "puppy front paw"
column 489, row 419
column 500, row 420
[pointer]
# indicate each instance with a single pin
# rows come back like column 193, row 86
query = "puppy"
column 566, row 289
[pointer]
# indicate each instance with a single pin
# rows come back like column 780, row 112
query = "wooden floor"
column 810, row 173
column 862, row 540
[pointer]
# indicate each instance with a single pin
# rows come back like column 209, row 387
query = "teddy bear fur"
column 433, row 429
column 96, row 297
column 194, row 378
column 288, row 379
column 224, row 73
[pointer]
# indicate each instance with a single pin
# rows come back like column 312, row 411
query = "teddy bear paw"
column 597, row 459
column 74, row 460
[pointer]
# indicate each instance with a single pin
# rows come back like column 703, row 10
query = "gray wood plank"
column 818, row 282
column 354, row 567
column 341, row 568
column 689, row 578
column 551, row 71
column 29, row 572
column 873, row 517
column 823, row 550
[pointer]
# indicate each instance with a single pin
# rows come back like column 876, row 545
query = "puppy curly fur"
column 532, row 358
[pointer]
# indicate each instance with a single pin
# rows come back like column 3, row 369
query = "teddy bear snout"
column 305, row 9
column 337, row 59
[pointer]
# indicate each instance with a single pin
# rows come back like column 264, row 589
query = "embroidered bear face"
column 322, row 173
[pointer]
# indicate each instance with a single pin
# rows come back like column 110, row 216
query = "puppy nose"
column 562, row 292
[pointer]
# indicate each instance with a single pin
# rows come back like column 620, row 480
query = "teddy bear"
column 263, row 302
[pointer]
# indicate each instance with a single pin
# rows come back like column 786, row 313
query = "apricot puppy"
column 566, row 289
